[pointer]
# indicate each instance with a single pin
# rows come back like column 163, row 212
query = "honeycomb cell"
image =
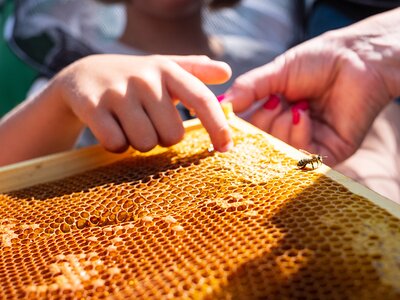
column 188, row 222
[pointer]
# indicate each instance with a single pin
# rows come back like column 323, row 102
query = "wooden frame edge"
column 64, row 164
column 353, row 186
column 60, row 165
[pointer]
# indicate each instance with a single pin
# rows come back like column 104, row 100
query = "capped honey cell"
column 188, row 222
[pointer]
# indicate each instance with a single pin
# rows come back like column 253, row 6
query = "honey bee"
column 313, row 160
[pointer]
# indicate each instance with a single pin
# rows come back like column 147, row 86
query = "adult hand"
column 343, row 79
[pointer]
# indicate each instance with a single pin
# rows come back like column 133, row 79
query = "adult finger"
column 248, row 88
column 264, row 117
column 282, row 125
column 301, row 130
column 293, row 74
column 258, row 84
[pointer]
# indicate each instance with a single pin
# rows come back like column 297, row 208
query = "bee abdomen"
column 302, row 163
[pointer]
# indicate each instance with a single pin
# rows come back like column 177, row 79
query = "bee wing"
column 305, row 152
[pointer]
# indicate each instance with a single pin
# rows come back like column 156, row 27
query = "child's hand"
column 129, row 100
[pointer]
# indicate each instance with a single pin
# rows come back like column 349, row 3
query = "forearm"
column 39, row 126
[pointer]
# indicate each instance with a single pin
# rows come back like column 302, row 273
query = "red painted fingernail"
column 303, row 105
column 220, row 98
column 272, row 102
column 295, row 115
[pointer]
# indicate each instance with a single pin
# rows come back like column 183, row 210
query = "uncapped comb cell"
column 189, row 223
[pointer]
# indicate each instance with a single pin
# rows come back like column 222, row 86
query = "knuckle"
column 240, row 83
column 157, row 57
column 203, row 58
column 203, row 100
column 143, row 82
column 161, row 60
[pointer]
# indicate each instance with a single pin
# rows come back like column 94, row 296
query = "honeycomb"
column 186, row 222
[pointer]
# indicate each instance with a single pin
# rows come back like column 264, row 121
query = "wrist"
column 58, row 93
column 376, row 42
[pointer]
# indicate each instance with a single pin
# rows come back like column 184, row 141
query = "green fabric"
column 15, row 76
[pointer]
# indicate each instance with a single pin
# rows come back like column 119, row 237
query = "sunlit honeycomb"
column 190, row 223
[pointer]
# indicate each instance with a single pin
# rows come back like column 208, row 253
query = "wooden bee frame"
column 254, row 231
column 61, row 165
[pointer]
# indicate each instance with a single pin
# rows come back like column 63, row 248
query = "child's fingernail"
column 220, row 98
column 303, row 105
column 272, row 102
column 295, row 115
column 226, row 147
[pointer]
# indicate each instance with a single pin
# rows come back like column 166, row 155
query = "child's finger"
column 264, row 117
column 193, row 93
column 164, row 117
column 207, row 70
column 135, row 123
column 107, row 131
